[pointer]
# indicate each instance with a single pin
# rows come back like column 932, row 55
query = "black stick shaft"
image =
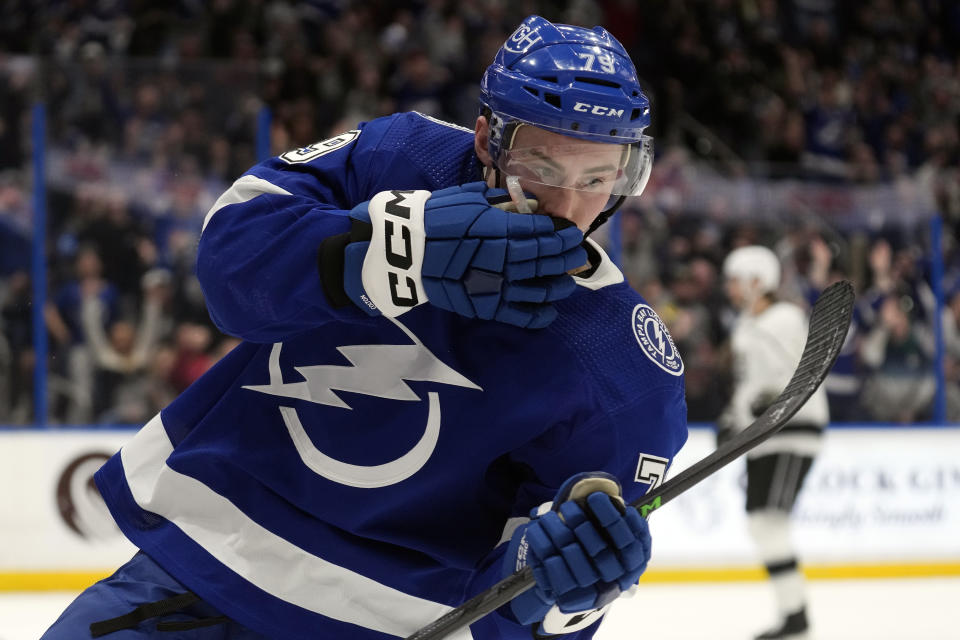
column 829, row 323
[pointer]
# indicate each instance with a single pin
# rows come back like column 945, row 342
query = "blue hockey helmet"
column 570, row 80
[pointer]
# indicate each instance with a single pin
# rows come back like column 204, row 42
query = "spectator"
column 151, row 107
column 6, row 370
column 16, row 323
column 74, row 382
column 13, row 101
column 694, row 325
column 951, row 335
column 123, row 353
column 192, row 342
column 901, row 384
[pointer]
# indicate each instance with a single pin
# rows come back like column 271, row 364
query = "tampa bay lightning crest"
column 376, row 370
column 655, row 340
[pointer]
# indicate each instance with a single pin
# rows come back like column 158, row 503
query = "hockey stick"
column 829, row 322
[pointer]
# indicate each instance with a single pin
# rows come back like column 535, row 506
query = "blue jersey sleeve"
column 257, row 259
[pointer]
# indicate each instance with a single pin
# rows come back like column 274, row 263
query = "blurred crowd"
column 153, row 109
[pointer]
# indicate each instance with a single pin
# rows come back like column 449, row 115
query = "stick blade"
column 829, row 323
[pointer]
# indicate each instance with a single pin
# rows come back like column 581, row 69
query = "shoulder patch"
column 317, row 149
column 655, row 340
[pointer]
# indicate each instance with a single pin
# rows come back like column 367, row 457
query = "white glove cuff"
column 394, row 260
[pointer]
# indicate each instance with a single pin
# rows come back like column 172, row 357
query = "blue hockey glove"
column 456, row 250
column 584, row 550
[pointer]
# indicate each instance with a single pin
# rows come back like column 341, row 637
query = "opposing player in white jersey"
column 440, row 381
column 767, row 342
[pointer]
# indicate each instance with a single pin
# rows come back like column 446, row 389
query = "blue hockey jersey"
column 345, row 476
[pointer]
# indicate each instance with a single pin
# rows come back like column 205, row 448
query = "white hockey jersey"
column 766, row 350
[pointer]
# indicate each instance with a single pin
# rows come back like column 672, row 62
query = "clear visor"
column 612, row 170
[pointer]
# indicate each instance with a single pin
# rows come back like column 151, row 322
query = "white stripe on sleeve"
column 260, row 556
column 246, row 188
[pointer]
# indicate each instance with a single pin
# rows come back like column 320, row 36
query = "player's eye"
column 594, row 183
column 547, row 174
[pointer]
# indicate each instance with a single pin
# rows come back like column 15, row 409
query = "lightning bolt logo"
column 374, row 370
column 378, row 370
column 658, row 334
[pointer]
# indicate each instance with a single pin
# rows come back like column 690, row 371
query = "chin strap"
column 604, row 216
column 485, row 170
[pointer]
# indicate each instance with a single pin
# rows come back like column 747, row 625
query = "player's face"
column 734, row 292
column 570, row 178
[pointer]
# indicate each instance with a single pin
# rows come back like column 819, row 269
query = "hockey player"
column 767, row 342
column 425, row 400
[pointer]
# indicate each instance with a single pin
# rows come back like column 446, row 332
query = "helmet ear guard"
column 502, row 131
column 498, row 130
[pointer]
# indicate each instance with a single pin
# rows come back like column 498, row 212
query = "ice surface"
column 915, row 609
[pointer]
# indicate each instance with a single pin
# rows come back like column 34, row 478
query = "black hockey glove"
column 454, row 249
column 762, row 402
column 725, row 427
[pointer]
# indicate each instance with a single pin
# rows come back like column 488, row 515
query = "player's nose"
column 561, row 203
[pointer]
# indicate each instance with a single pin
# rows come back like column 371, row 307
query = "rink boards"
column 879, row 502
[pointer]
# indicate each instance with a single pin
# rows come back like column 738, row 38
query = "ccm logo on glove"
column 395, row 251
column 457, row 250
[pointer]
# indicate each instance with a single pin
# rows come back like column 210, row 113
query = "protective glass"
column 599, row 169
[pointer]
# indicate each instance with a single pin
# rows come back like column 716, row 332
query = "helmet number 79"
column 604, row 59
